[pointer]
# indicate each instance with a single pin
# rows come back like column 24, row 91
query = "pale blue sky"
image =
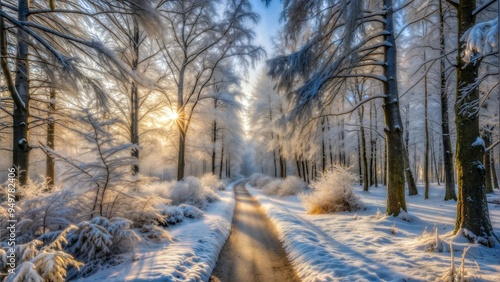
column 269, row 21
column 267, row 28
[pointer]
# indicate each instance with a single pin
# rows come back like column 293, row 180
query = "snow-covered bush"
column 211, row 182
column 172, row 214
column 99, row 243
column 100, row 237
column 263, row 181
column 253, row 179
column 175, row 214
column 155, row 233
column 191, row 212
column 26, row 271
column 48, row 212
column 332, row 193
column 52, row 264
column 292, row 186
column 259, row 180
column 146, row 211
column 190, row 191
column 48, row 263
column 272, row 187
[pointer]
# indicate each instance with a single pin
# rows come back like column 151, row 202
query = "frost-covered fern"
column 47, row 263
column 52, row 264
column 25, row 272
column 100, row 237
column 90, row 241
column 99, row 243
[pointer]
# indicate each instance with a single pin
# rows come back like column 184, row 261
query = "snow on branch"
column 480, row 39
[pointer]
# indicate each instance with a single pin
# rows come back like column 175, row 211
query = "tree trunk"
column 214, row 140
column 487, row 162
column 472, row 208
column 434, row 161
column 307, row 172
column 20, row 146
column 385, row 163
column 370, row 166
column 280, row 159
column 134, row 101
column 323, row 149
column 360, row 162
column 445, row 123
column 50, row 174
column 181, row 123
column 297, row 163
column 374, row 144
column 410, row 180
column 394, row 128
column 494, row 171
column 214, row 145
column 283, row 160
column 363, row 149
column 329, row 142
column 427, row 139
column 221, row 157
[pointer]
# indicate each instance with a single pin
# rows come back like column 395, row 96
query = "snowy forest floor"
column 191, row 256
column 369, row 246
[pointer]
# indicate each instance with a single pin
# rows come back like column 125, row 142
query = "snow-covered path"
column 253, row 251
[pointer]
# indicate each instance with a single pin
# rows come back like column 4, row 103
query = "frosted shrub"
column 191, row 191
column 147, row 211
column 47, row 264
column 26, row 272
column 273, row 187
column 211, row 182
column 263, row 181
column 99, row 243
column 90, row 240
column 175, row 214
column 191, row 212
column 100, row 237
column 292, row 186
column 52, row 264
column 156, row 233
column 48, row 212
column 172, row 215
column 332, row 193
column 254, row 177
column 259, row 180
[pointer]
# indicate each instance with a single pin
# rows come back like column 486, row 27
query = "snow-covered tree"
column 472, row 209
column 198, row 41
column 348, row 36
